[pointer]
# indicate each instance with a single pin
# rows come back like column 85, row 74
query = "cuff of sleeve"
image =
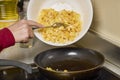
column 7, row 38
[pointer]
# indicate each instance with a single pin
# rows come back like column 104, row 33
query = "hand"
column 22, row 30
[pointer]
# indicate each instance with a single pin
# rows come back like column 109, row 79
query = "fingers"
column 22, row 30
column 31, row 34
column 32, row 23
column 28, row 34
column 24, row 41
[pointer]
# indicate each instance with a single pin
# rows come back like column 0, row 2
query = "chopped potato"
column 50, row 69
column 60, row 34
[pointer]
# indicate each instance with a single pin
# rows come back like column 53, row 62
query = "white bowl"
column 83, row 7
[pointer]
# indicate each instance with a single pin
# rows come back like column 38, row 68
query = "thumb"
column 35, row 24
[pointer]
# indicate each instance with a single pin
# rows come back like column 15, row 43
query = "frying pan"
column 80, row 63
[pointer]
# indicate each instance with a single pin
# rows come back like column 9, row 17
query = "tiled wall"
column 106, row 21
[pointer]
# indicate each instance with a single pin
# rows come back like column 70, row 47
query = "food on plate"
column 60, row 34
column 50, row 69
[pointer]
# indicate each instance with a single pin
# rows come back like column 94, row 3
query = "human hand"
column 22, row 30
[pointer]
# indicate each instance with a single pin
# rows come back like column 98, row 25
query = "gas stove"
column 110, row 70
column 19, row 74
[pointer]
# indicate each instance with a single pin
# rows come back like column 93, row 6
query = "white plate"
column 83, row 7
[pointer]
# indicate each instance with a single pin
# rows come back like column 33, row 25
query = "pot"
column 65, row 63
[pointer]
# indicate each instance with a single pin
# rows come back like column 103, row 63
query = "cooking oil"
column 8, row 12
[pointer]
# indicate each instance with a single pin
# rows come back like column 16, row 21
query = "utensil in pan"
column 80, row 63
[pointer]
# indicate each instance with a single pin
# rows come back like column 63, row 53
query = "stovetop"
column 19, row 74
column 91, row 40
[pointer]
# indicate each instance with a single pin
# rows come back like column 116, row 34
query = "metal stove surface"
column 19, row 74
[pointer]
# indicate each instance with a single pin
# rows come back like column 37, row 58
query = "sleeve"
column 6, row 38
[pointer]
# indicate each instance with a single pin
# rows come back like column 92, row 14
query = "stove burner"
column 19, row 74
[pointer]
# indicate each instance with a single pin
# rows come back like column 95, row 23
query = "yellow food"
column 50, row 69
column 60, row 34
column 65, row 70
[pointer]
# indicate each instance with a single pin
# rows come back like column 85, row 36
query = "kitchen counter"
column 27, row 55
column 110, row 51
column 92, row 41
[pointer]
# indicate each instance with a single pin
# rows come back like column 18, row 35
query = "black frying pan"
column 80, row 63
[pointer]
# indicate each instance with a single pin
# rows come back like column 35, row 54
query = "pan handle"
column 24, row 66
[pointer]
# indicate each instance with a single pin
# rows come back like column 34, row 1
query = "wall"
column 106, row 21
